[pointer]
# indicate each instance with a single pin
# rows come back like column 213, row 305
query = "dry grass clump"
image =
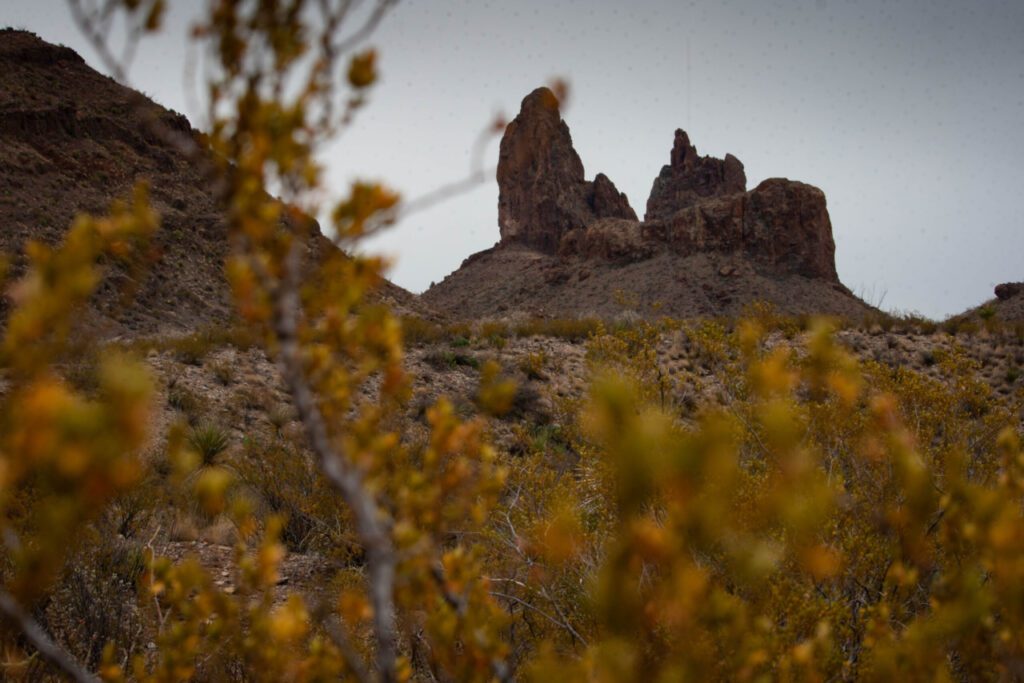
column 184, row 400
column 532, row 365
column 569, row 329
column 193, row 348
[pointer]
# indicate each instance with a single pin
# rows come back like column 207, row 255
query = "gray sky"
column 908, row 114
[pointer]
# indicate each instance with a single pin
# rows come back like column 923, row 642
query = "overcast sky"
column 909, row 114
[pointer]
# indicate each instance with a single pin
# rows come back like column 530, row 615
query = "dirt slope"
column 519, row 279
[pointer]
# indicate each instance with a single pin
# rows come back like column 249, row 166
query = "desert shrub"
column 570, row 329
column 960, row 325
column 915, row 322
column 224, row 372
column 279, row 416
column 417, row 331
column 94, row 603
column 185, row 401
column 458, row 333
column 286, row 484
column 445, row 359
column 82, row 373
column 494, row 333
column 192, row 349
column 816, row 503
column 532, row 365
column 768, row 317
column 254, row 398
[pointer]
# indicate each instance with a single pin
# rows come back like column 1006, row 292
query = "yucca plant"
column 208, row 441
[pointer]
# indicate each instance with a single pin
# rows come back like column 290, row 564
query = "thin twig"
column 97, row 38
column 538, row 610
column 367, row 29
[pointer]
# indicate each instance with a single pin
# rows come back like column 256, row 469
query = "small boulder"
column 1008, row 290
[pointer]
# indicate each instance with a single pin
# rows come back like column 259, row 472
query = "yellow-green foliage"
column 836, row 522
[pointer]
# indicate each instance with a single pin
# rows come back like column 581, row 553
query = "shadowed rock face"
column 690, row 178
column 542, row 193
column 697, row 205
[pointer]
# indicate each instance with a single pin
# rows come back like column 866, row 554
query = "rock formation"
column 706, row 246
column 697, row 204
column 689, row 179
column 542, row 193
column 780, row 224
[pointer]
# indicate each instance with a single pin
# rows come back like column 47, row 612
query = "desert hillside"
column 72, row 141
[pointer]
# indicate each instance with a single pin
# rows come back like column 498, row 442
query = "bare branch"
column 50, row 651
column 368, row 27
column 96, row 33
column 534, row 608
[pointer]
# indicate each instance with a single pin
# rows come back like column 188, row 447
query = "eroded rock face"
column 781, row 224
column 697, row 205
column 690, row 178
column 606, row 201
column 542, row 192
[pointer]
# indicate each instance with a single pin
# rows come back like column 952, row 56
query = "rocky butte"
column 706, row 246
